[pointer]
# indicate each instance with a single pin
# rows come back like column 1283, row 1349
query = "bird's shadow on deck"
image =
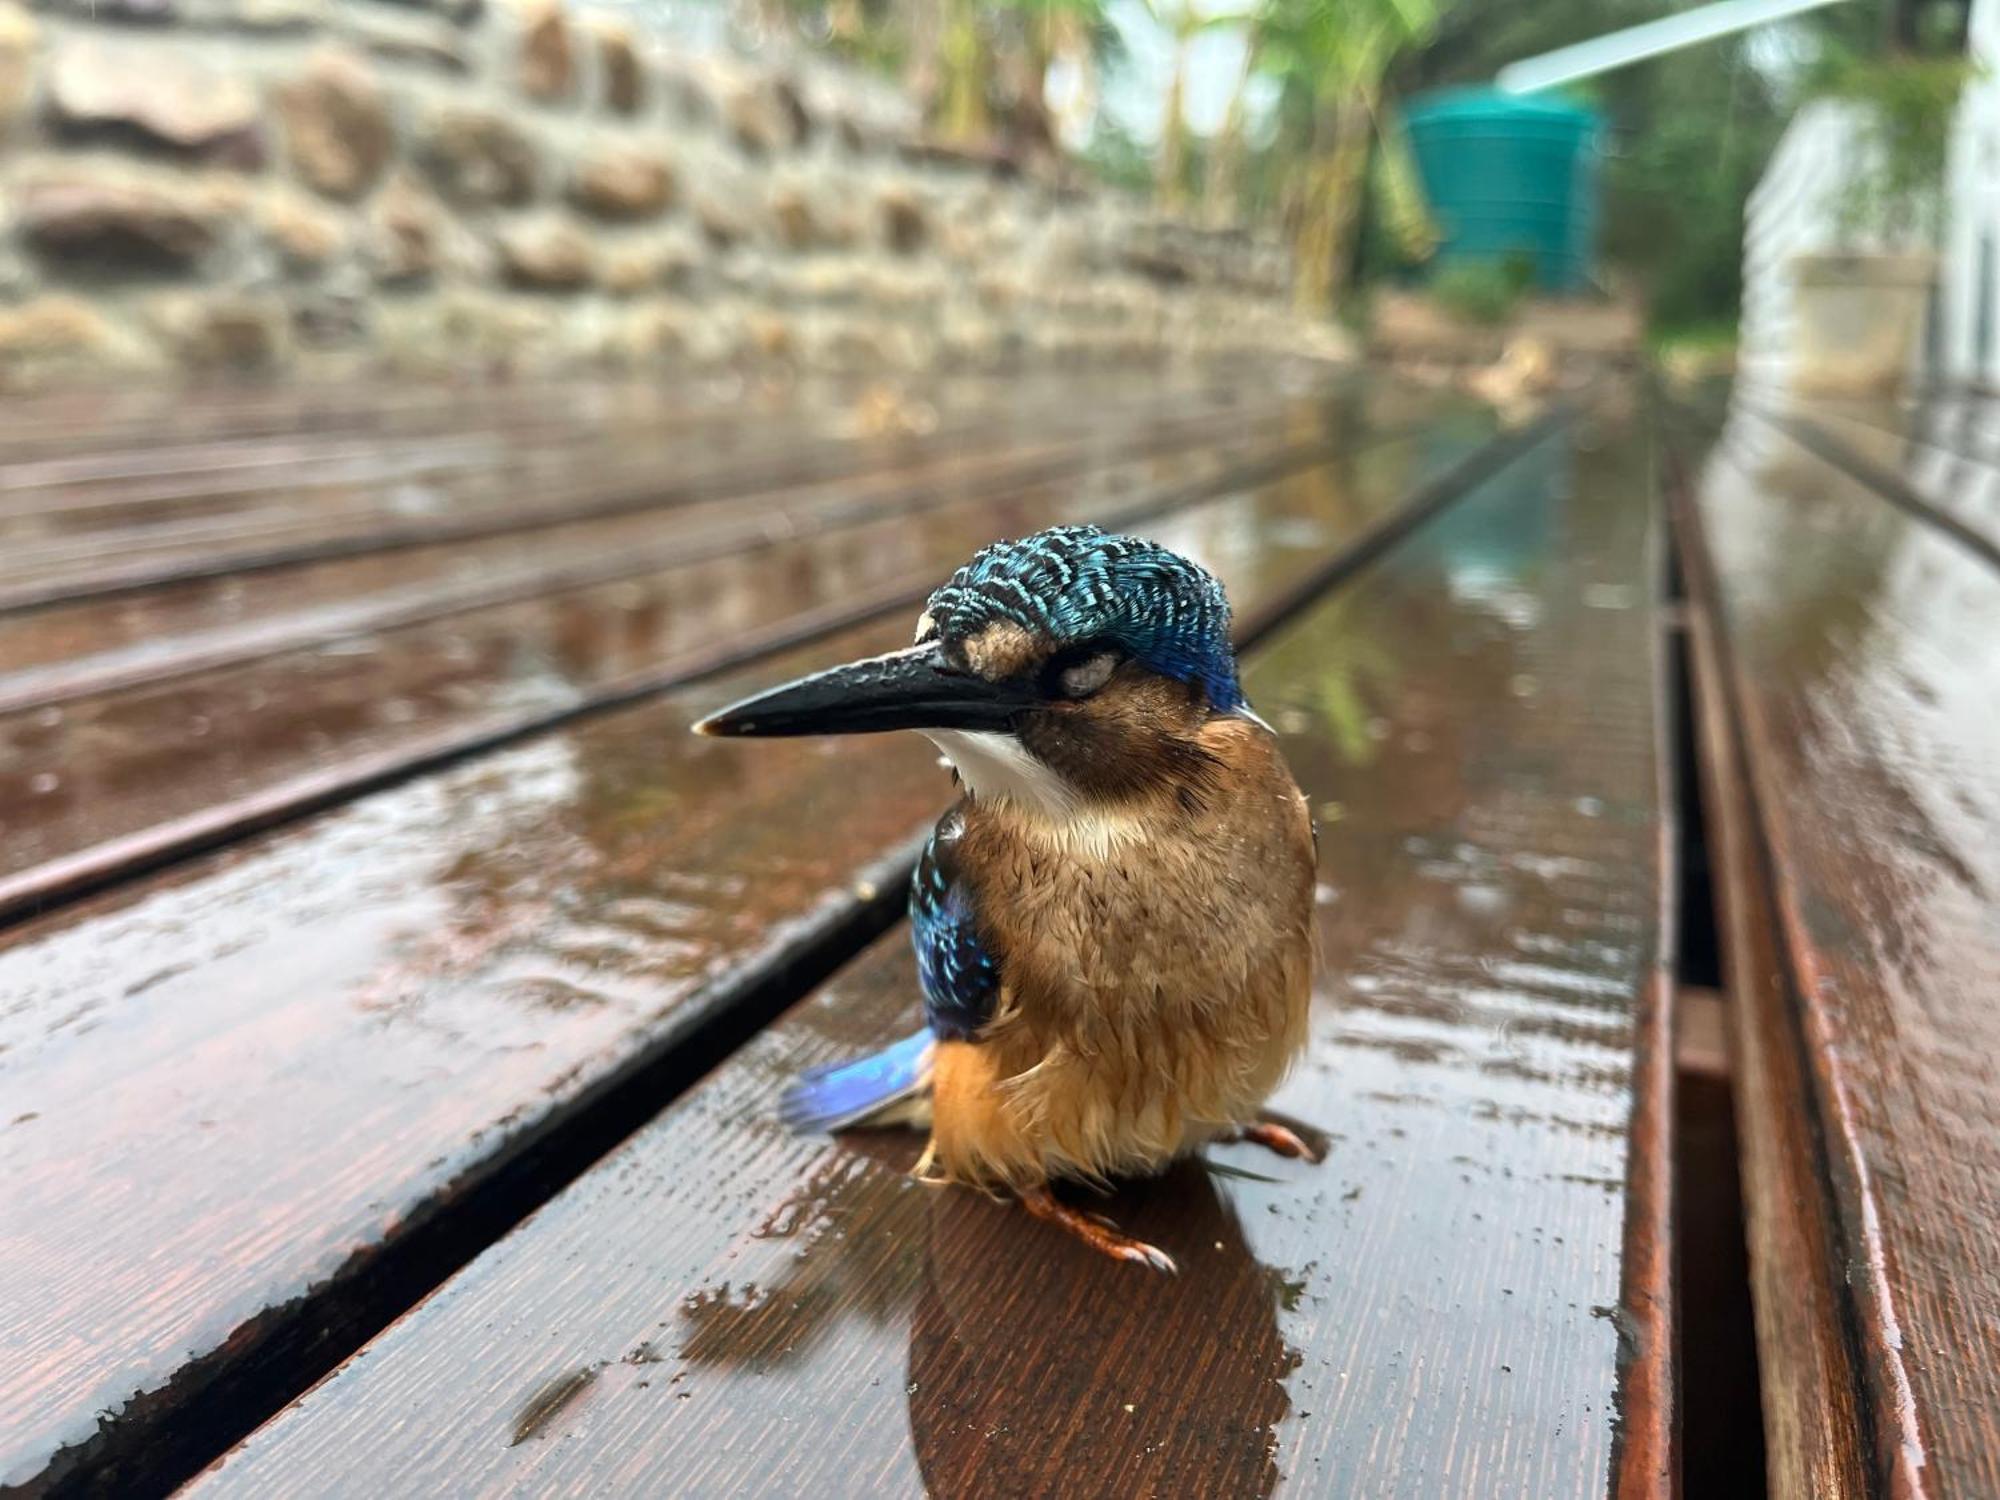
column 1032, row 1359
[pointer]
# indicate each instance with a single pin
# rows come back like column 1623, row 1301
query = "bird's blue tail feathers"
column 837, row 1095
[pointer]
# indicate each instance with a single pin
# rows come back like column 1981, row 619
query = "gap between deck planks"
column 81, row 432
column 384, row 518
column 1442, row 1308
column 89, row 472
column 1865, row 457
column 360, row 1023
column 605, row 481
column 1851, row 643
column 145, row 813
column 59, row 654
column 112, row 766
column 1814, row 1437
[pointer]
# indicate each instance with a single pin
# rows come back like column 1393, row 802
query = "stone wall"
column 337, row 185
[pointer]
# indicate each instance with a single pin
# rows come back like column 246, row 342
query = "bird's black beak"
column 912, row 689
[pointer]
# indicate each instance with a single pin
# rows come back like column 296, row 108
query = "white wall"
column 1969, row 274
column 1792, row 212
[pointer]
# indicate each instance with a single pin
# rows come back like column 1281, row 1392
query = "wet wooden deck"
column 1847, row 592
column 393, row 993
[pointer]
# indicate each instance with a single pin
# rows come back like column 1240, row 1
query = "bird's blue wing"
column 842, row 1094
column 960, row 974
column 961, row 984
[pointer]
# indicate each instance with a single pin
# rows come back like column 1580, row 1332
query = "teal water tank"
column 1510, row 175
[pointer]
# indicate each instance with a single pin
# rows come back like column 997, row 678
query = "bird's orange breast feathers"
column 1156, row 975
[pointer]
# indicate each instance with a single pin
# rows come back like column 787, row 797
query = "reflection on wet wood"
column 326, row 1037
column 202, row 525
column 116, row 805
column 1957, row 496
column 1856, row 642
column 1946, row 450
column 95, row 778
column 58, row 654
column 1810, row 1390
column 1442, row 1307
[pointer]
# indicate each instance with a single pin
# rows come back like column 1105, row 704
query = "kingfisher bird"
column 1113, row 925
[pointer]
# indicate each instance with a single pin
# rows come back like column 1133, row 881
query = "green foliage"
column 1117, row 158
column 1908, row 103
column 1483, row 291
column 1693, row 146
column 1666, row 342
column 1689, row 133
column 1332, row 60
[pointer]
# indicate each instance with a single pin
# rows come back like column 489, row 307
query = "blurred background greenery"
column 1284, row 112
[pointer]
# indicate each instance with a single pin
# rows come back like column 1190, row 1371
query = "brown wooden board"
column 165, row 463
column 229, row 1090
column 374, row 753
column 269, row 523
column 54, row 456
column 130, row 430
column 1814, row 1435
column 112, row 766
column 1461, row 1301
column 1956, row 492
column 1857, row 643
column 63, row 652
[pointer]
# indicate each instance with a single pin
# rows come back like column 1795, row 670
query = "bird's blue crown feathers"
column 1079, row 583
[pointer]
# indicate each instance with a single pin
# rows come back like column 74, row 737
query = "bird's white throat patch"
column 993, row 766
column 998, row 767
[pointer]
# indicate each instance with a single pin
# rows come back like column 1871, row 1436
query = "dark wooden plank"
column 111, row 765
column 1441, row 1308
column 50, row 561
column 1815, row 1440
column 1956, row 493
column 65, row 652
column 1962, row 424
column 242, row 1082
column 97, row 787
column 129, row 431
column 91, row 497
column 127, row 426
column 95, row 470
column 1857, row 643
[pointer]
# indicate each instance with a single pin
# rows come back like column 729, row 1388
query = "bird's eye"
column 1080, row 676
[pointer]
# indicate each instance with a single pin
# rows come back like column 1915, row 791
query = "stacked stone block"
column 338, row 186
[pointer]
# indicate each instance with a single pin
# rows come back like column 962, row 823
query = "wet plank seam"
column 39, row 889
column 1891, row 486
column 87, row 476
column 52, row 428
column 163, row 1438
column 1871, row 1326
column 38, row 687
column 1644, row 1456
column 825, row 461
column 1807, row 1398
column 1954, row 439
column 615, row 459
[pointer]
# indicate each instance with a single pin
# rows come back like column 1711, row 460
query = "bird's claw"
column 1096, row 1231
column 1279, row 1138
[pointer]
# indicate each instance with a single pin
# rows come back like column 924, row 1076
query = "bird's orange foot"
column 1274, row 1137
column 1095, row 1230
